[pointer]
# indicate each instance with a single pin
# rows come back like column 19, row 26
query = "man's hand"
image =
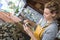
column 26, row 21
column 27, row 29
column 7, row 17
column 29, row 32
column 31, row 23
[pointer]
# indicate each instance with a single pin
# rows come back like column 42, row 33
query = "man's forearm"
column 31, row 34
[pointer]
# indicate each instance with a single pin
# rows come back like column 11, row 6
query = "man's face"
column 47, row 14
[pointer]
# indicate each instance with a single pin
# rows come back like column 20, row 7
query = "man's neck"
column 50, row 20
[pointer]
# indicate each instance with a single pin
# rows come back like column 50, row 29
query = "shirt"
column 51, row 31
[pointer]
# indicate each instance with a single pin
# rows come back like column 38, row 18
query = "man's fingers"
column 25, row 21
column 25, row 27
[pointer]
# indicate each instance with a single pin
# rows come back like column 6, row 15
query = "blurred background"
column 28, row 9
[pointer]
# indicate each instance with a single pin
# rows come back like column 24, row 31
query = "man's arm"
column 7, row 17
column 29, row 32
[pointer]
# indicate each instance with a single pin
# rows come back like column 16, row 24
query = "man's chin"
column 45, row 18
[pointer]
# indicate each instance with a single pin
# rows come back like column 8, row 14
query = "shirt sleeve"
column 51, row 32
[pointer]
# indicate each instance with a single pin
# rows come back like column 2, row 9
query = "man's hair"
column 53, row 6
